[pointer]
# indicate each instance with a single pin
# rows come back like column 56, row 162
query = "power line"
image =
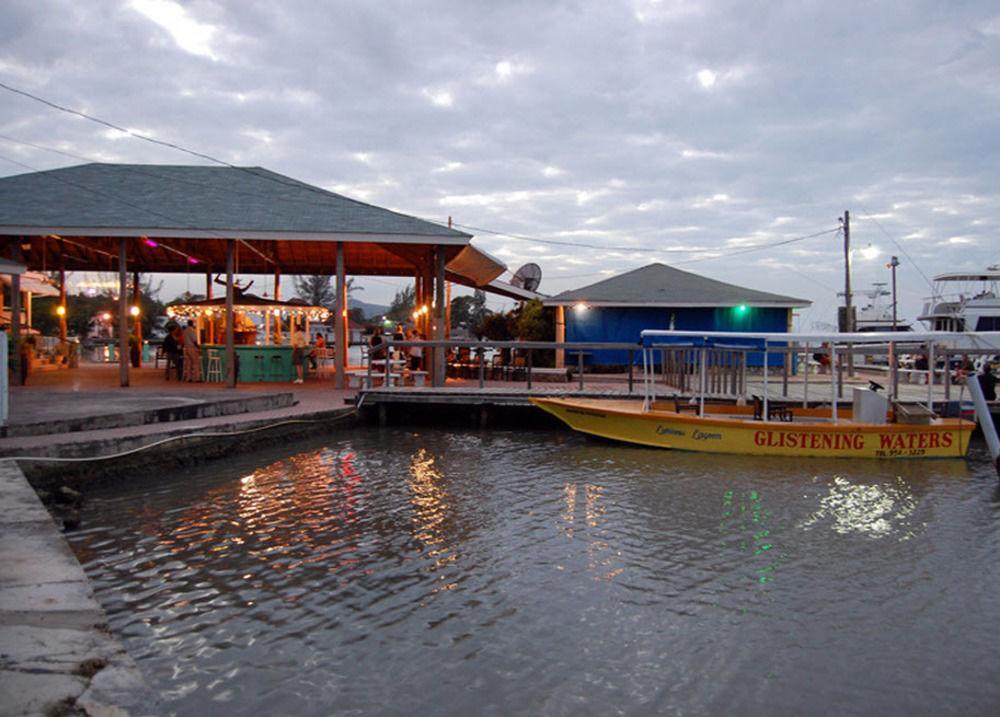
column 644, row 250
column 898, row 246
column 172, row 145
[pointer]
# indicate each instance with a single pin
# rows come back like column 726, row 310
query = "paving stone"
column 25, row 692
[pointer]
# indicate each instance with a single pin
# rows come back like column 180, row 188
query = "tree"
column 316, row 289
column 468, row 311
column 321, row 290
column 533, row 323
column 402, row 304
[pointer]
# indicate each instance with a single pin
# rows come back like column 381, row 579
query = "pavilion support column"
column 63, row 332
column 230, row 315
column 122, row 314
column 340, row 322
column 136, row 301
column 15, row 315
column 208, row 285
column 439, row 314
column 560, row 335
column 277, row 297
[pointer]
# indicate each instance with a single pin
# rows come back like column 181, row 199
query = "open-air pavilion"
column 227, row 220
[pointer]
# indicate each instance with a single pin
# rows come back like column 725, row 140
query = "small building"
column 658, row 296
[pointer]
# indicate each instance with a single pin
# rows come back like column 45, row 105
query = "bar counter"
column 256, row 363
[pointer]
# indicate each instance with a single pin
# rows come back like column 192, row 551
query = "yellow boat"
column 872, row 425
column 733, row 429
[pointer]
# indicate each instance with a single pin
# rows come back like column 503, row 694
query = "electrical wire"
column 899, row 246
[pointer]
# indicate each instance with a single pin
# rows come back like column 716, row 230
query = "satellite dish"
column 528, row 277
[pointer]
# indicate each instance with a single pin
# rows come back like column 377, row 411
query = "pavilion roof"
column 176, row 218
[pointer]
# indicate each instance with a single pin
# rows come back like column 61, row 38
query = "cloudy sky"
column 588, row 137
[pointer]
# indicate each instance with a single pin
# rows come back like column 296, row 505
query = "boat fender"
column 741, row 401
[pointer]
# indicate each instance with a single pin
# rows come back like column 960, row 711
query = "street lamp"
column 893, row 263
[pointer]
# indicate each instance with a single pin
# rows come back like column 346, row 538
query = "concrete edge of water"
column 57, row 656
column 164, row 414
column 184, row 450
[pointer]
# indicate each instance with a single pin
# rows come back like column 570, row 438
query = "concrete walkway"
column 56, row 654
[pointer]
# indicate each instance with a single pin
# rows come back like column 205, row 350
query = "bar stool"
column 213, row 369
column 258, row 367
column 275, row 368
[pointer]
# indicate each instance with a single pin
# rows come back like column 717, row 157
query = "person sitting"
column 172, row 349
column 318, row 345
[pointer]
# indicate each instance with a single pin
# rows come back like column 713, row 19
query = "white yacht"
column 876, row 315
column 964, row 301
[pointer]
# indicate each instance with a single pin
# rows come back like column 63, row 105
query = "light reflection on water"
column 392, row 572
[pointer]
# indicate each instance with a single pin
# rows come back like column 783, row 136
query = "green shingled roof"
column 662, row 285
column 193, row 198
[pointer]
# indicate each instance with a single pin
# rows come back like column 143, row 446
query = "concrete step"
column 164, row 410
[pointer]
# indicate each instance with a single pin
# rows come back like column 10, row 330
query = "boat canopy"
column 969, row 276
column 656, row 337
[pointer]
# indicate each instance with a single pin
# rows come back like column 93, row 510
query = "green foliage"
column 468, row 311
column 496, row 327
column 402, row 304
column 316, row 289
column 80, row 309
column 533, row 323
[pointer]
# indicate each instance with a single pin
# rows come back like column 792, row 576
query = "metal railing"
column 524, row 350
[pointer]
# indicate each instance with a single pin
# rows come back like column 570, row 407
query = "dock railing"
column 522, row 357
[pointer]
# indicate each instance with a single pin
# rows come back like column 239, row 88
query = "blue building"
column 662, row 297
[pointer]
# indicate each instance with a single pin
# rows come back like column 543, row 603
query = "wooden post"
column 122, row 314
column 63, row 333
column 15, row 314
column 439, row 355
column 137, row 320
column 340, row 321
column 560, row 335
column 230, row 300
column 277, row 297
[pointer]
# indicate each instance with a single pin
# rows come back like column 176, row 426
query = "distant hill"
column 369, row 309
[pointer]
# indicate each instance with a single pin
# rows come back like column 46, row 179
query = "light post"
column 892, row 265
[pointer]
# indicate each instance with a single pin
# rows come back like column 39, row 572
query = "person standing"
column 299, row 344
column 988, row 380
column 416, row 352
column 192, row 353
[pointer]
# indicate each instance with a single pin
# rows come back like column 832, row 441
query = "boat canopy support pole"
column 805, row 377
column 702, row 357
column 930, row 375
column 985, row 420
column 765, row 382
column 835, row 384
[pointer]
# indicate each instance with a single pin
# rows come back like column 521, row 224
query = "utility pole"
column 848, row 326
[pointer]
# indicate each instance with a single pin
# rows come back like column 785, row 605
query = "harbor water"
column 405, row 572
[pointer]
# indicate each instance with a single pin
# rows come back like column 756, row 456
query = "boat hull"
column 625, row 421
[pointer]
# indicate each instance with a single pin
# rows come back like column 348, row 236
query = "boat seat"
column 681, row 406
column 780, row 413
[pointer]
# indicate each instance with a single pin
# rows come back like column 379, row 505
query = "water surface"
column 495, row 573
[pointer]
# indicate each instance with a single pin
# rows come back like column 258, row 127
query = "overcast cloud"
column 668, row 131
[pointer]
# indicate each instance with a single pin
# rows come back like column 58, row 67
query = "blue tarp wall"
column 624, row 324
